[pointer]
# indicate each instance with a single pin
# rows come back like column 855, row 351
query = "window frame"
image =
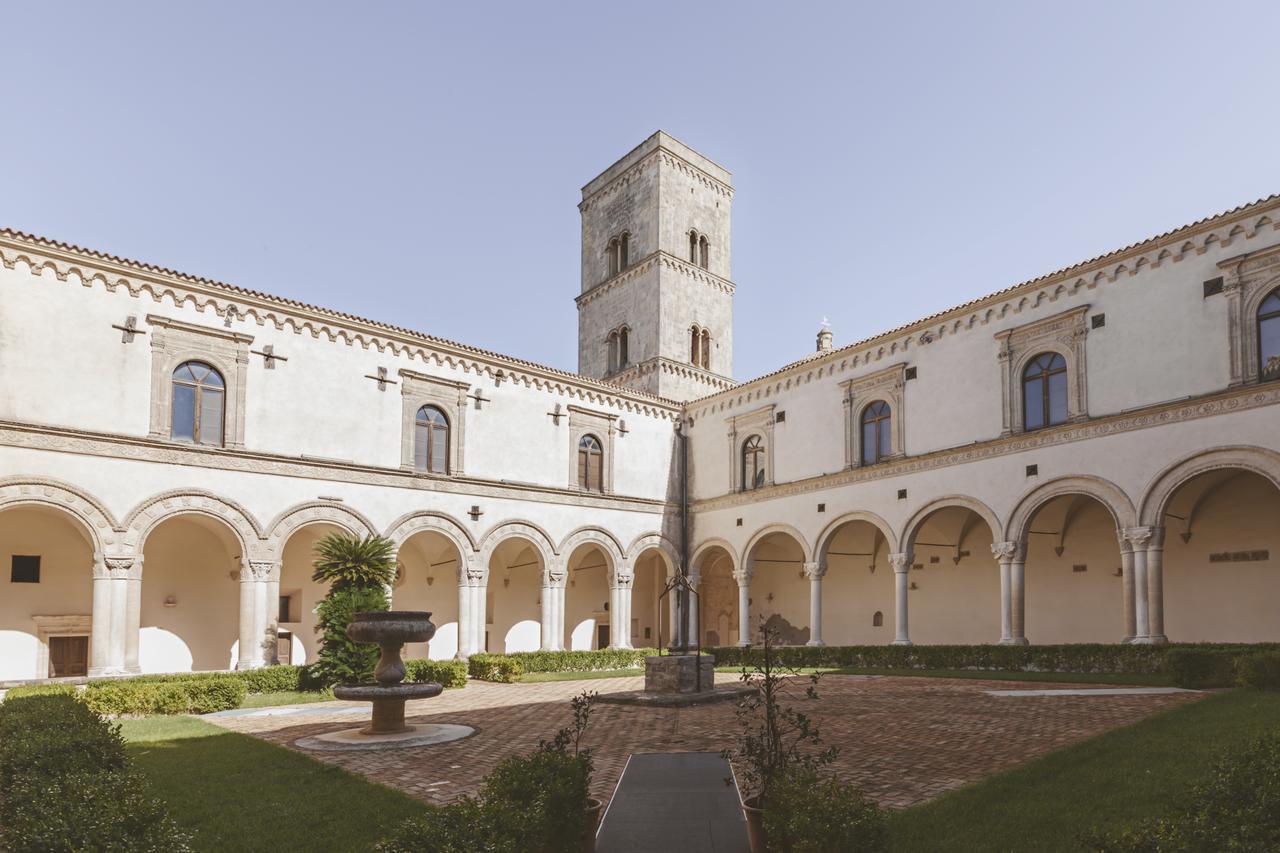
column 882, row 424
column 760, row 421
column 1248, row 280
column 603, row 427
column 175, row 342
column 1064, row 334
column 1057, row 366
column 197, row 415
column 1259, row 319
column 449, row 396
column 585, row 455
column 888, row 386
column 753, row 444
column 431, row 427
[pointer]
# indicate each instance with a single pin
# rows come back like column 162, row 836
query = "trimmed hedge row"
column 268, row 679
column 196, row 696
column 1128, row 659
column 65, row 783
column 448, row 673
column 510, row 667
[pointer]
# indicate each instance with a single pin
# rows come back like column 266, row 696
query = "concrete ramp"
column 674, row 801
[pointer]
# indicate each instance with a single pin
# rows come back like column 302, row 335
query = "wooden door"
column 602, row 636
column 68, row 656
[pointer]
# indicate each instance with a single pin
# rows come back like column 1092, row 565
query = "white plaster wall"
column 65, row 587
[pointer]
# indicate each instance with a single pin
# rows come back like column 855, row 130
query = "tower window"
column 705, row 364
column 624, row 251
column 704, row 252
column 693, row 247
column 624, row 356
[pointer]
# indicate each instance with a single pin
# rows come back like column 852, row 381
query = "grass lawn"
column 532, row 677
column 286, row 697
column 1112, row 780
column 239, row 793
column 1156, row 680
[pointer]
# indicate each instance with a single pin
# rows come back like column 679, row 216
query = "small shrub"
column 447, row 673
column 341, row 660
column 1236, row 808
column 1260, row 671
column 540, row 799
column 1200, row 668
column 65, row 783
column 501, row 668
column 806, row 813
column 40, row 690
column 463, row 826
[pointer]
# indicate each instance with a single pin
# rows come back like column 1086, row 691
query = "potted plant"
column 571, row 736
column 776, row 741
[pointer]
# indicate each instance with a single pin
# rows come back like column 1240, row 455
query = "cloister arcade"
column 192, row 582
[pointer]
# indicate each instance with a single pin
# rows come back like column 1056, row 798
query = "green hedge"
column 593, row 660
column 40, row 690
column 65, row 783
column 267, row 679
column 1200, row 668
column 1127, row 659
column 1260, row 671
column 447, row 673
column 501, row 668
column 193, row 696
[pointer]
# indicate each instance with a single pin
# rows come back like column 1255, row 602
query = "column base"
column 242, row 665
column 742, row 645
column 1150, row 640
column 107, row 671
column 815, row 643
column 902, row 643
column 1014, row 641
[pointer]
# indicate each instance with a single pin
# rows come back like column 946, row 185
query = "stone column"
column 1137, row 538
column 692, row 627
column 901, row 565
column 553, row 609
column 546, row 615
column 1018, row 596
column 1155, row 586
column 1126, row 588
column 109, row 624
column 478, row 581
column 815, row 572
column 620, row 608
column 743, row 577
column 466, row 627
column 1004, row 552
column 255, row 576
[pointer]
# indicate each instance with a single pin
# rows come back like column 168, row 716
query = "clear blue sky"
column 420, row 163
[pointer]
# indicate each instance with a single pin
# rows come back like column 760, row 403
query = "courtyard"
column 903, row 741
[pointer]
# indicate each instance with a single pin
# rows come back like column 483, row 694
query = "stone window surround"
column 1249, row 280
column 602, row 426
column 759, row 422
column 449, row 396
column 1064, row 334
column 48, row 627
column 889, row 385
column 174, row 342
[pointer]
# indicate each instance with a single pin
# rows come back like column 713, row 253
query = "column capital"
column 742, row 576
column 556, row 576
column 473, row 572
column 118, row 567
column 623, row 581
column 259, row 571
column 1007, row 552
column 1138, row 537
column 815, row 571
column 901, row 562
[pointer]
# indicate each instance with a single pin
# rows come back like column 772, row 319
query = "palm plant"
column 348, row 562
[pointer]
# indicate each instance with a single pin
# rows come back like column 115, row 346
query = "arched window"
column 704, row 252
column 877, row 621
column 590, row 464
column 877, row 434
column 624, row 251
column 695, row 345
column 1269, row 337
column 431, row 441
column 199, row 397
column 613, row 351
column 706, row 350
column 693, row 247
column 623, row 355
column 1044, row 391
column 612, row 253
column 752, row 463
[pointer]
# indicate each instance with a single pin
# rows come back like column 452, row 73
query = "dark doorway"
column 68, row 656
column 602, row 636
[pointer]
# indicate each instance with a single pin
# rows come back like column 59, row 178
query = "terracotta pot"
column 594, row 810
column 753, row 810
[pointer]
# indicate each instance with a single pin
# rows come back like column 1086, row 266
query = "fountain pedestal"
column 390, row 630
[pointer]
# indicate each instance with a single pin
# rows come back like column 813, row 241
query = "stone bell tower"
column 656, row 308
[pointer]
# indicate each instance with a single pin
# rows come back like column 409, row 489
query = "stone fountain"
column 390, row 630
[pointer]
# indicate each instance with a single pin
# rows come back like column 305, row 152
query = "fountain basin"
column 374, row 692
column 391, row 626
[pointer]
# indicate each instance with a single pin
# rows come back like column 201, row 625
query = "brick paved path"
column 902, row 740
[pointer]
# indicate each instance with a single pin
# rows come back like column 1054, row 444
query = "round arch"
column 291, row 520
column 86, row 510
column 656, row 542
column 778, row 528
column 415, row 522
column 912, row 527
column 143, row 519
column 535, row 535
column 596, row 536
column 1265, row 463
column 829, row 532
column 703, row 547
column 1104, row 491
